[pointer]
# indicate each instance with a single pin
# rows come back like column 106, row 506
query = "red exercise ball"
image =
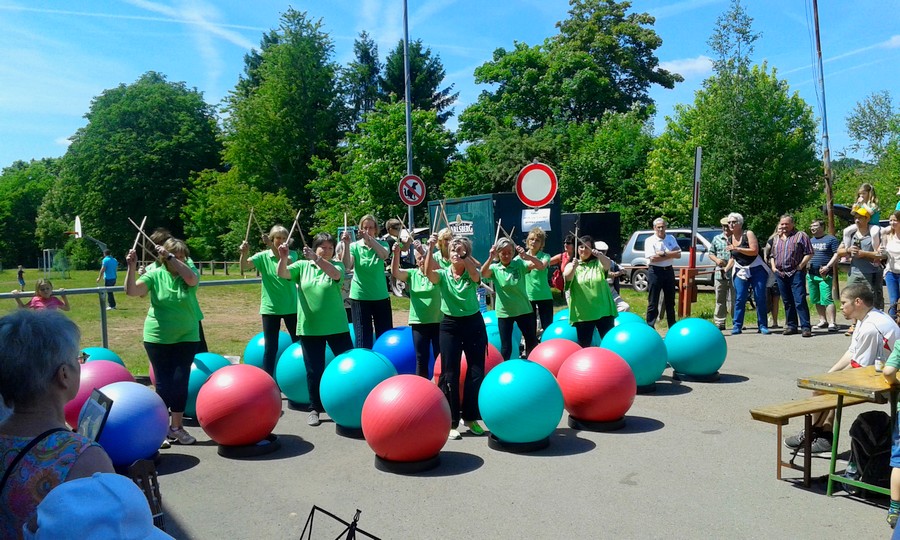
column 552, row 353
column 406, row 419
column 597, row 385
column 492, row 359
column 96, row 374
column 239, row 405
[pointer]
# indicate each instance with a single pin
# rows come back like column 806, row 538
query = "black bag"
column 870, row 447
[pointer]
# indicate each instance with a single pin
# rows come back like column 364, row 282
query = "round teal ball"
column 696, row 347
column 520, row 402
column 641, row 347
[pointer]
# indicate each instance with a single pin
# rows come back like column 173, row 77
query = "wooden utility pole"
column 826, row 149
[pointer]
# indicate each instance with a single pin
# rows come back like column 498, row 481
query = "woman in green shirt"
column 536, row 284
column 508, row 275
column 278, row 299
column 171, row 334
column 320, row 310
column 424, row 307
column 462, row 330
column 370, row 305
column 591, row 304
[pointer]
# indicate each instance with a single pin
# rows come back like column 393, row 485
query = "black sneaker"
column 821, row 444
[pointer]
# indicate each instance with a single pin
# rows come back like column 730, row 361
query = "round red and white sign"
column 536, row 185
column 412, row 190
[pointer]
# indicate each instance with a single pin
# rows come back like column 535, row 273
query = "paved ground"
column 689, row 464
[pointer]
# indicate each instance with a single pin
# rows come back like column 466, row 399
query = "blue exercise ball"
column 493, row 334
column 290, row 373
column 560, row 330
column 627, row 317
column 102, row 353
column 204, row 365
column 347, row 381
column 397, row 345
column 490, row 317
column 520, row 402
column 641, row 347
column 253, row 352
column 695, row 347
column 137, row 424
column 561, row 315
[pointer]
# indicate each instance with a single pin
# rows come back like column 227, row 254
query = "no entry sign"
column 412, row 190
column 536, row 185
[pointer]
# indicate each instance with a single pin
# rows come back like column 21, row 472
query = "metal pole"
column 410, row 219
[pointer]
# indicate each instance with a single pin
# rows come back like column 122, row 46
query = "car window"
column 639, row 241
column 683, row 239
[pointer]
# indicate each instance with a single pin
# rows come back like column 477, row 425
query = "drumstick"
column 302, row 238
column 497, row 234
column 249, row 222
column 141, row 231
column 291, row 232
column 138, row 236
column 444, row 213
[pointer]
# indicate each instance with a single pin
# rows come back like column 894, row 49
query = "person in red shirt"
column 44, row 299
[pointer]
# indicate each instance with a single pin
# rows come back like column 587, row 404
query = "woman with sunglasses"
column 750, row 272
column 591, row 305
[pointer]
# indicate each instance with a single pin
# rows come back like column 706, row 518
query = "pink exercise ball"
column 492, row 359
column 597, row 385
column 552, row 353
column 95, row 374
column 405, row 418
column 238, row 405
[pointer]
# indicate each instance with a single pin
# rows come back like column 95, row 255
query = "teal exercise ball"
column 561, row 315
column 490, row 317
column 204, row 365
column 290, row 373
column 696, row 347
column 520, row 402
column 101, row 353
column 641, row 347
column 626, row 317
column 560, row 330
column 253, row 352
column 347, row 381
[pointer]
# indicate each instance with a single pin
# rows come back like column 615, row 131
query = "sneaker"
column 807, row 332
column 821, row 444
column 789, row 331
column 735, row 331
column 180, row 436
column 821, row 326
column 832, row 328
column 892, row 519
column 109, row 308
column 721, row 326
column 454, row 435
column 165, row 444
column 764, row 331
column 313, row 418
column 796, row 441
column 475, row 428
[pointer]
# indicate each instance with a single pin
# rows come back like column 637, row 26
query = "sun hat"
column 102, row 506
column 723, row 221
column 601, row 245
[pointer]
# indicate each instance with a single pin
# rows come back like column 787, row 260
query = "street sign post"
column 536, row 185
column 411, row 190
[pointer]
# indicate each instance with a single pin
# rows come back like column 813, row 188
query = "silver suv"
column 634, row 263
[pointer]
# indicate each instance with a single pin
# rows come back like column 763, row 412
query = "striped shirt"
column 790, row 250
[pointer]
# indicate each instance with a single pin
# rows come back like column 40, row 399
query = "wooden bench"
column 781, row 413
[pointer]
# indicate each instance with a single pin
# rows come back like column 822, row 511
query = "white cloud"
column 63, row 141
column 892, row 43
column 689, row 68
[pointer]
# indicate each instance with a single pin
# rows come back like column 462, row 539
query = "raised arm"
column 132, row 287
column 396, row 271
column 533, row 262
column 323, row 263
column 283, row 256
column 486, row 271
column 245, row 250
column 346, row 257
column 64, row 299
column 430, row 265
column 181, row 268
column 376, row 246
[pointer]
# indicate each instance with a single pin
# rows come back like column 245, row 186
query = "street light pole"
column 410, row 220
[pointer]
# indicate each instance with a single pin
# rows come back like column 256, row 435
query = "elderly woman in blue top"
column 369, row 302
column 278, row 295
column 513, row 307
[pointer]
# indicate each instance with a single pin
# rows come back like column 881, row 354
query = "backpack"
column 870, row 447
column 557, row 281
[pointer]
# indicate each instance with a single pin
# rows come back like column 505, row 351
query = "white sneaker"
column 821, row 326
column 454, row 435
column 180, row 436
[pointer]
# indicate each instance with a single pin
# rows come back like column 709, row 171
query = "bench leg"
column 779, row 464
column 807, row 448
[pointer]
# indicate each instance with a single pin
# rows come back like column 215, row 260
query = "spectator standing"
column 20, row 276
column 864, row 252
column 108, row 267
column 724, row 286
column 890, row 247
column 790, row 256
column 750, row 272
column 661, row 249
column 819, row 278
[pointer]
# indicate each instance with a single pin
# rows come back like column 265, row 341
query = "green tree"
column 22, row 188
column 361, row 79
column 134, row 157
column 293, row 114
column 426, row 75
column 872, row 124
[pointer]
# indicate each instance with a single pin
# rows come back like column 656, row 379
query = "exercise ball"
column 626, row 317
column 204, row 365
column 96, row 374
column 290, row 373
column 552, row 353
column 253, row 352
column 560, row 330
column 597, row 385
column 397, row 345
column 695, row 347
column 239, row 405
column 493, row 334
column 352, row 333
column 561, row 315
column 137, row 424
column 490, row 317
column 406, row 419
column 520, row 402
column 492, row 359
column 347, row 381
column 101, row 353
column 642, row 348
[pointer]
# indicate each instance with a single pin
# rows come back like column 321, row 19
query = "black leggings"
column 462, row 334
column 271, row 325
column 367, row 313
column 544, row 311
column 314, row 357
column 201, row 346
column 172, row 368
column 526, row 324
column 427, row 344
column 585, row 329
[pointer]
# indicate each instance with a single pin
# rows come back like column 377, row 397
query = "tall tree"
column 22, row 188
column 292, row 115
column 361, row 79
column 133, row 158
column 873, row 123
column 426, row 74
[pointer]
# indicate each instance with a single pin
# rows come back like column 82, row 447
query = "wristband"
column 169, row 257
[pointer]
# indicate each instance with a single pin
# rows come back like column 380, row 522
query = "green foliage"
column 361, row 79
column 374, row 160
column 133, row 158
column 426, row 74
column 873, row 124
column 22, row 188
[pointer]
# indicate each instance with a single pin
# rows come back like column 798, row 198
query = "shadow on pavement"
column 453, row 464
column 637, row 424
column 565, row 442
column 172, row 463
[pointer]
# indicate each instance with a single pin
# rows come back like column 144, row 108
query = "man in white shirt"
column 660, row 250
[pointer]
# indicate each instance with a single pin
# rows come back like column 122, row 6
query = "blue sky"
column 58, row 55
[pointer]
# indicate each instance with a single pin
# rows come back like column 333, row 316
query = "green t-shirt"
column 536, row 284
column 195, row 305
column 278, row 296
column 369, row 282
column 172, row 317
column 459, row 297
column 440, row 260
column 424, row 299
column 590, row 298
column 320, row 308
column 509, row 285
